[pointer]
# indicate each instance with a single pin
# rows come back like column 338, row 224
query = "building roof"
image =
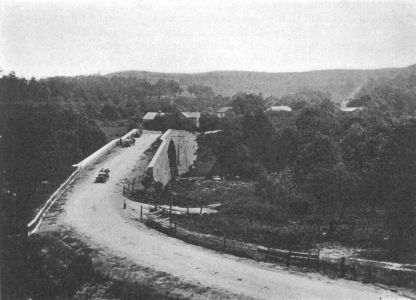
column 212, row 131
column 191, row 114
column 224, row 109
column 152, row 115
column 348, row 109
column 280, row 108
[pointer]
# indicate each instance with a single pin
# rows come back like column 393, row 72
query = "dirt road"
column 95, row 210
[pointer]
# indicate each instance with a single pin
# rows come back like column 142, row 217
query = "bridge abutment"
column 178, row 148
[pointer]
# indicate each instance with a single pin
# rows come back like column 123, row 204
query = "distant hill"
column 341, row 84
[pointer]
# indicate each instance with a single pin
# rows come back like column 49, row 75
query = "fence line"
column 350, row 268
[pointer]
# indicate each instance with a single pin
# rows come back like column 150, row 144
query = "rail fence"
column 367, row 271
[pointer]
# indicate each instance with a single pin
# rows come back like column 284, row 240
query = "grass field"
column 244, row 215
column 113, row 130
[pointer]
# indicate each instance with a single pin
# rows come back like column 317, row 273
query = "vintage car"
column 103, row 176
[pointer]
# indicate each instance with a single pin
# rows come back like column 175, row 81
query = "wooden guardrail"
column 290, row 257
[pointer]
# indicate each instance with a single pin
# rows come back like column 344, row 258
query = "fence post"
column 200, row 212
column 354, row 271
column 124, row 203
column 175, row 227
column 288, row 259
column 187, row 210
column 141, row 213
column 309, row 259
column 369, row 275
column 342, row 267
column 318, row 262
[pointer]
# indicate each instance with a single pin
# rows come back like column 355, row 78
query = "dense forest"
column 110, row 99
column 319, row 166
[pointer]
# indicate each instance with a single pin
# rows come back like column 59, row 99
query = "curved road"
column 95, row 211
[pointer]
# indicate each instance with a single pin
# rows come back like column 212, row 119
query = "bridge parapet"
column 33, row 225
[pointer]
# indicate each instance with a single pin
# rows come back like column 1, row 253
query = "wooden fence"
column 349, row 268
column 288, row 257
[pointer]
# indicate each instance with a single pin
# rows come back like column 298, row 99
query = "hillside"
column 339, row 83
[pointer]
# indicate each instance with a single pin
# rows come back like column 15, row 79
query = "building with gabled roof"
column 223, row 111
column 150, row 116
column 193, row 116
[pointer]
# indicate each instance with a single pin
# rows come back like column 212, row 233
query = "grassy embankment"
column 246, row 216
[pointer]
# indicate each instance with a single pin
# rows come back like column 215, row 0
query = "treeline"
column 394, row 96
column 325, row 167
column 39, row 145
column 109, row 98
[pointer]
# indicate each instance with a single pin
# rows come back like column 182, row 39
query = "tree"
column 258, row 136
column 201, row 91
column 398, row 172
column 173, row 88
column 332, row 188
column 160, row 88
column 244, row 104
column 285, row 147
column 320, row 118
column 320, row 153
column 42, row 143
column 232, row 156
column 209, row 122
column 109, row 112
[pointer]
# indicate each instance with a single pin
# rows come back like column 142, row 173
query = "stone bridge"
column 174, row 157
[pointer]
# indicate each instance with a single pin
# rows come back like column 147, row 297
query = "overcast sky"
column 47, row 38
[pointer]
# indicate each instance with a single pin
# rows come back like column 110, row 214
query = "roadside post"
column 342, row 267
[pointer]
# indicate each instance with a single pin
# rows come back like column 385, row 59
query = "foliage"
column 201, row 91
column 245, row 104
column 398, row 173
column 107, row 98
column 394, row 95
column 40, row 144
column 208, row 122
column 329, row 167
